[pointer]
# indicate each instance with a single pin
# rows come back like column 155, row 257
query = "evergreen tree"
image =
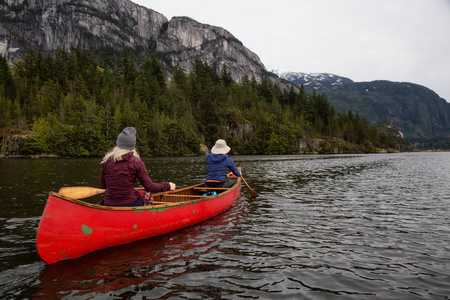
column 225, row 76
column 7, row 84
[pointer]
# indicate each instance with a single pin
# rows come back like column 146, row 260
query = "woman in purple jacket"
column 218, row 163
column 121, row 167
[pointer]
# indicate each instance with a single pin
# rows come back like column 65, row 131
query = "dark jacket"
column 218, row 165
column 118, row 179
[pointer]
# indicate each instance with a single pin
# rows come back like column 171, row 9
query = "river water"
column 324, row 227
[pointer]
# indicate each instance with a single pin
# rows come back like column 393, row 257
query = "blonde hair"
column 116, row 154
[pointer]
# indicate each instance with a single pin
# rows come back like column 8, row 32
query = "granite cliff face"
column 114, row 24
column 185, row 39
column 67, row 23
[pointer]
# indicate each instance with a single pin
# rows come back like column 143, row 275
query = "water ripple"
column 324, row 227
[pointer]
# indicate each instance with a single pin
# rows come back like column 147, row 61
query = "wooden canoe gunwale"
column 157, row 195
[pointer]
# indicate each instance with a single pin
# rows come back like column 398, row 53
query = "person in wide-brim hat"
column 218, row 164
column 220, row 147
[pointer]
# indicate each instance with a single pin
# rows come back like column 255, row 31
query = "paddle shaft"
column 252, row 192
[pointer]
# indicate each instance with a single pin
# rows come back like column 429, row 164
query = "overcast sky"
column 364, row 40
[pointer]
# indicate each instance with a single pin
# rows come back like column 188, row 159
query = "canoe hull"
column 71, row 228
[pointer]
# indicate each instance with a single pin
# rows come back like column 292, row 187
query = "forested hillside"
column 72, row 104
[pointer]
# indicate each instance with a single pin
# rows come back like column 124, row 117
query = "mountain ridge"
column 113, row 25
column 418, row 111
column 313, row 80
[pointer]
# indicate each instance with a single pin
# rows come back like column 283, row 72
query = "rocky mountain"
column 115, row 24
column 417, row 111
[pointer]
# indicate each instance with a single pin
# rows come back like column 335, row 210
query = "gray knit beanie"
column 127, row 138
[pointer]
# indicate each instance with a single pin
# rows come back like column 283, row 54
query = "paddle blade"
column 252, row 192
column 79, row 192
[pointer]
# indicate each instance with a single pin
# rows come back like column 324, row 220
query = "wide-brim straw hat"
column 220, row 147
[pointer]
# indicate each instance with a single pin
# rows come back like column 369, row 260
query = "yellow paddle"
column 79, row 192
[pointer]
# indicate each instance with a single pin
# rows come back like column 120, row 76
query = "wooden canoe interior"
column 183, row 195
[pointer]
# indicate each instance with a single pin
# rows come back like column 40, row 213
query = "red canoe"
column 71, row 228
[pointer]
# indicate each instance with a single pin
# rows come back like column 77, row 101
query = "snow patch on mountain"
column 313, row 80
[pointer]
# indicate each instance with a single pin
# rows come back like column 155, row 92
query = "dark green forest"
column 75, row 104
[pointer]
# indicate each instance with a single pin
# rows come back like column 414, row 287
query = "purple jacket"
column 218, row 165
column 118, row 179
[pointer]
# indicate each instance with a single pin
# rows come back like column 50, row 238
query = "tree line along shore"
column 76, row 103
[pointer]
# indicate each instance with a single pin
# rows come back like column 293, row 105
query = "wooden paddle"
column 252, row 192
column 79, row 192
